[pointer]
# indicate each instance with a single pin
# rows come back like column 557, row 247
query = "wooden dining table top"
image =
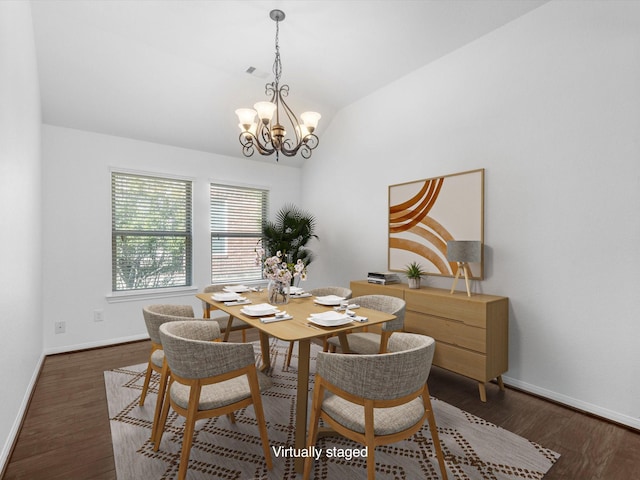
column 299, row 327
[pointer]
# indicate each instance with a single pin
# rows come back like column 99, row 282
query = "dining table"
column 299, row 329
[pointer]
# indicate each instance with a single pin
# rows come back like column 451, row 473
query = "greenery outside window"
column 151, row 237
column 237, row 217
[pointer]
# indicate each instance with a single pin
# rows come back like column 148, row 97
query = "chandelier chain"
column 277, row 63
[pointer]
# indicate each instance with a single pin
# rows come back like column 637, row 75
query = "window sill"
column 136, row 295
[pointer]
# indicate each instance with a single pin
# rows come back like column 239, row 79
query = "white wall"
column 77, row 226
column 549, row 106
column 20, row 217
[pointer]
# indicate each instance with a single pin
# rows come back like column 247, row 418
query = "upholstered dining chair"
column 370, row 342
column 154, row 316
column 208, row 379
column 321, row 292
column 376, row 399
column 223, row 322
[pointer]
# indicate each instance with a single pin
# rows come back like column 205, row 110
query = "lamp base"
column 464, row 266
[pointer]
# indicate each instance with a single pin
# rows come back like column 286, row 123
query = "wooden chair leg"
column 189, row 428
column 384, row 341
column 227, row 330
column 163, row 419
column 433, row 428
column 244, row 335
column 145, row 386
column 371, row 463
column 162, row 387
column 287, row 362
column 257, row 408
column 318, row 394
column 370, row 442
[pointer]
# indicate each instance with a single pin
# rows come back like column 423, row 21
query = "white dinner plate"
column 259, row 310
column 236, row 288
column 330, row 315
column 325, row 323
column 226, row 296
column 329, row 300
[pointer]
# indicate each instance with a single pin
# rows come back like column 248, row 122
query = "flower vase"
column 414, row 282
column 278, row 292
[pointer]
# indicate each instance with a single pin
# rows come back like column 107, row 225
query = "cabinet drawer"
column 465, row 362
column 470, row 310
column 449, row 331
column 365, row 288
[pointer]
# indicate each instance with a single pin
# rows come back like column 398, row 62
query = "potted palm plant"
column 414, row 273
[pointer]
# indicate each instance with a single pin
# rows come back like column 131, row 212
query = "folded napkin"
column 353, row 306
column 275, row 319
column 244, row 301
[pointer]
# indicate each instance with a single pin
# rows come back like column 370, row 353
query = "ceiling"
column 173, row 72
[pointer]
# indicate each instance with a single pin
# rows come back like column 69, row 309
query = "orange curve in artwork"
column 434, row 247
column 406, row 215
column 422, row 250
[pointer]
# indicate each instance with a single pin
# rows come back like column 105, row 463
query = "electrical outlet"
column 98, row 315
column 60, row 327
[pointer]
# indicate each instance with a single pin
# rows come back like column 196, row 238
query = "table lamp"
column 464, row 252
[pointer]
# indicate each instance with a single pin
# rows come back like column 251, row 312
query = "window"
column 151, row 232
column 237, row 216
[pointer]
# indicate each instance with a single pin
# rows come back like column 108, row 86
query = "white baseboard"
column 574, row 403
column 15, row 429
column 101, row 343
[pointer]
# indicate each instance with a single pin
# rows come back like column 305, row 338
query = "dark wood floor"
column 66, row 432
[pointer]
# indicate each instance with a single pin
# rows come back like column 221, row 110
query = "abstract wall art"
column 425, row 214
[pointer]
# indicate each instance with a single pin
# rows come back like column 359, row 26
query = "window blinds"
column 151, row 232
column 237, row 216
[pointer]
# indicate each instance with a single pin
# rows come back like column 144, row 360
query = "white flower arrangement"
column 277, row 268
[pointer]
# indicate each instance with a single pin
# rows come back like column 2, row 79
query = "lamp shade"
column 310, row 120
column 246, row 116
column 265, row 110
column 466, row 251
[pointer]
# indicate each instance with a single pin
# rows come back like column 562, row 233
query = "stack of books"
column 383, row 278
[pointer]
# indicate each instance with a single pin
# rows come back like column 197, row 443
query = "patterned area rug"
column 473, row 448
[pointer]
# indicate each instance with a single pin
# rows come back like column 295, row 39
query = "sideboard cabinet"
column 471, row 333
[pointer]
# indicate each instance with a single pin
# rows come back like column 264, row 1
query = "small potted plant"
column 414, row 273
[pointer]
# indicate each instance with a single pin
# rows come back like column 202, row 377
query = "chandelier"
column 268, row 135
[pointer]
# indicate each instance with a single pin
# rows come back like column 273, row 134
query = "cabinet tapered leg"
column 483, row 392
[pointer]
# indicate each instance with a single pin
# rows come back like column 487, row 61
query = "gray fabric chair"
column 208, row 379
column 369, row 342
column 235, row 323
column 375, row 399
column 321, row 292
column 154, row 316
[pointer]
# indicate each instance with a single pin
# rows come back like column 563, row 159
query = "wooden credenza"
column 471, row 333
